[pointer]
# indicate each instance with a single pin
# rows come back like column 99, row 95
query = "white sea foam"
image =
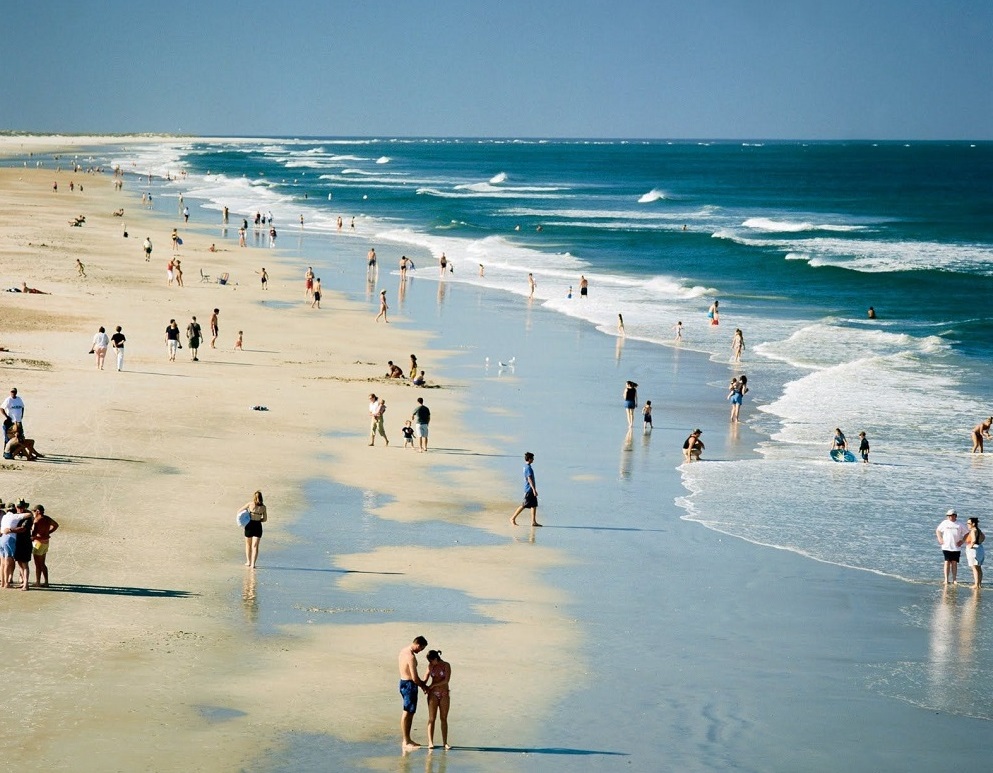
column 485, row 190
column 625, row 215
column 793, row 226
column 383, row 160
column 876, row 256
column 499, row 178
column 653, row 195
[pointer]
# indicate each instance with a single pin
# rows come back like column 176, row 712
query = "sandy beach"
column 619, row 636
column 145, row 469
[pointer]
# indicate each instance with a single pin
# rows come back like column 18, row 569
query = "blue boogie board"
column 842, row 456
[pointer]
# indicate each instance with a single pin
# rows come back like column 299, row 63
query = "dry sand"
column 113, row 667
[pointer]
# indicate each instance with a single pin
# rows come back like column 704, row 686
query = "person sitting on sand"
column 420, row 380
column 693, row 446
column 980, row 431
column 393, row 371
column 17, row 444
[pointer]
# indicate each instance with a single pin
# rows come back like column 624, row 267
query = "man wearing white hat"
column 951, row 535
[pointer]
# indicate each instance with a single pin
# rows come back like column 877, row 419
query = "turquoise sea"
column 795, row 239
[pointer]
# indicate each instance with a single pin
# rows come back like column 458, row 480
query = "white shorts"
column 975, row 555
column 421, row 430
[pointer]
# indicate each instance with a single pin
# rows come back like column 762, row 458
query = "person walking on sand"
column 975, row 553
column 713, row 314
column 100, row 343
column 530, row 493
column 308, row 282
column 316, row 303
column 172, row 339
column 214, row 328
column 117, row 341
column 42, row 530
column 421, row 417
column 147, row 246
column 737, row 345
column 678, row 330
column 439, row 674
column 980, row 431
column 630, row 400
column 383, row 306
column 194, row 335
column 264, row 277
column 253, row 529
column 80, row 268
column 239, row 341
column 176, row 241
column 377, row 410
column 951, row 535
column 410, row 682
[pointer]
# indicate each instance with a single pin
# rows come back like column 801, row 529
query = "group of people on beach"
column 195, row 336
column 15, row 442
column 24, row 534
column 840, row 443
column 436, row 686
column 415, row 427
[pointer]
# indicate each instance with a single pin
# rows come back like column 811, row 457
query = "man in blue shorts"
column 530, row 493
column 409, row 684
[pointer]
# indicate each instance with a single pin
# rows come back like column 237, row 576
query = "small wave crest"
column 794, row 226
column 499, row 178
column 653, row 195
column 383, row 160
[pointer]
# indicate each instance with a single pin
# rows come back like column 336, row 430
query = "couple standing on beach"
column 953, row 536
column 435, row 687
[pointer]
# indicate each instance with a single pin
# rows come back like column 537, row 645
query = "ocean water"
column 796, row 240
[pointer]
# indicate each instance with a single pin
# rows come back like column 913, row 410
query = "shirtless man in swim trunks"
column 980, row 431
column 409, row 684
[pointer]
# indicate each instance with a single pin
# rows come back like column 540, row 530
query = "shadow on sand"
column 118, row 590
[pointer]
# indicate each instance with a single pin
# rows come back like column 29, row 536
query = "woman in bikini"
column 439, row 674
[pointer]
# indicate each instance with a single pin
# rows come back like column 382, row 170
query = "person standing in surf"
column 630, row 400
column 737, row 345
column 839, row 443
column 713, row 314
column 980, row 431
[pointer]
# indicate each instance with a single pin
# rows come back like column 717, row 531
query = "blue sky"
column 831, row 69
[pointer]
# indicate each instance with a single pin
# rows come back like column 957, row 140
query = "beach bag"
column 243, row 517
